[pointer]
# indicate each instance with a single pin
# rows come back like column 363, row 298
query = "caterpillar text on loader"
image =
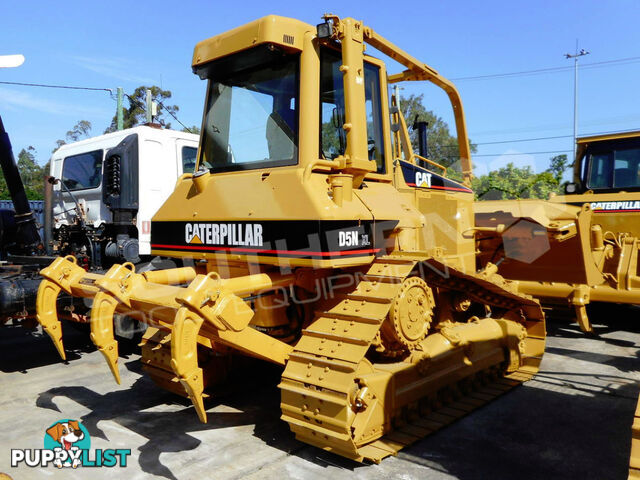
column 592, row 231
column 320, row 247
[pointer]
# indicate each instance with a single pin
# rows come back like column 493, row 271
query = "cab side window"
column 189, row 155
column 333, row 138
column 83, row 171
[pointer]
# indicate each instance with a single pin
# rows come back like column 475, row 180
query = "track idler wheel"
column 410, row 316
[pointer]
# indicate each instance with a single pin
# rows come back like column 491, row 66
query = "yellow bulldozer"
column 576, row 248
column 323, row 244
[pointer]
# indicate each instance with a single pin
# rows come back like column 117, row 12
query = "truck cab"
column 107, row 188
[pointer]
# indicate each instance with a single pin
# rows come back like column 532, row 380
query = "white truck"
column 107, row 188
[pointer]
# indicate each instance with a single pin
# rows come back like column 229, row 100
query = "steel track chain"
column 319, row 379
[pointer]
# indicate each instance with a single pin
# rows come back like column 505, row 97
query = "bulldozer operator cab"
column 281, row 94
column 252, row 111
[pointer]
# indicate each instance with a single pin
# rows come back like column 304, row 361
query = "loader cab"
column 607, row 164
column 613, row 166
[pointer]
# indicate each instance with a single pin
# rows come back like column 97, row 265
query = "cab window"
column 82, row 171
column 251, row 118
column 614, row 168
column 189, row 155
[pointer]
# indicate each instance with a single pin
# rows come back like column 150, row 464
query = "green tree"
column 136, row 113
column 513, row 182
column 194, row 129
column 4, row 190
column 80, row 130
column 443, row 147
column 31, row 173
column 558, row 165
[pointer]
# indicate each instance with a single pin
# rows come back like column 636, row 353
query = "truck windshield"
column 251, row 117
column 614, row 168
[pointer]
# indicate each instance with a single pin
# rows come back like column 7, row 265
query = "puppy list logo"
column 67, row 443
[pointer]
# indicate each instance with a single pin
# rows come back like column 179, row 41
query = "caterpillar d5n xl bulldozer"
column 322, row 247
column 576, row 248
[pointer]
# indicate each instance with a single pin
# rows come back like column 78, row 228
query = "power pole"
column 149, row 107
column 575, row 57
column 119, row 113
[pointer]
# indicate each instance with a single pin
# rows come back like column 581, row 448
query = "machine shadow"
column 254, row 393
column 23, row 349
column 534, row 433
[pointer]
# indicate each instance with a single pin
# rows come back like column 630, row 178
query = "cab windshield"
column 251, row 117
column 614, row 168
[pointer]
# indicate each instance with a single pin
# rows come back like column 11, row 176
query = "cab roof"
column 610, row 136
column 285, row 32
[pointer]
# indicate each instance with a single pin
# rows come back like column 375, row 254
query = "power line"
column 144, row 107
column 176, row 118
column 109, row 90
column 524, row 140
column 620, row 61
column 512, row 141
column 68, row 87
column 591, row 134
column 519, row 153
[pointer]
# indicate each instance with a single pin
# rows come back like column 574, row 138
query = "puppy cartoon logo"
column 67, row 443
column 69, row 436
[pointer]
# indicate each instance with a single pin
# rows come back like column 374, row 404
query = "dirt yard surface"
column 572, row 421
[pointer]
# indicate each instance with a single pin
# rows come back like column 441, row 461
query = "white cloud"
column 119, row 68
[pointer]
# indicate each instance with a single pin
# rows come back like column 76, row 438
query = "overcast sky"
column 118, row 43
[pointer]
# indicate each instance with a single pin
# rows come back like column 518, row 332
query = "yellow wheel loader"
column 323, row 244
column 576, row 248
